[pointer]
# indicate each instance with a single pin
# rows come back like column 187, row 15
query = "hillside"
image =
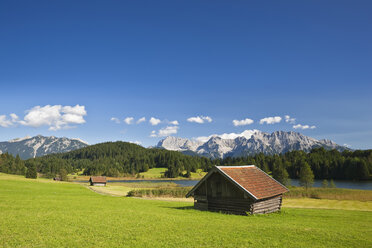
column 128, row 159
column 120, row 159
column 44, row 213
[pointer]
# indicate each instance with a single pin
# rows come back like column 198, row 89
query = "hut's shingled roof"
column 98, row 179
column 254, row 180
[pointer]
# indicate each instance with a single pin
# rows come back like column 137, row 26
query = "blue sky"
column 68, row 67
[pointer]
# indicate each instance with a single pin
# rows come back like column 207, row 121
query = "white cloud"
column 174, row 123
column 116, row 120
column 153, row 121
column 143, row 119
column 246, row 133
column 299, row 126
column 73, row 118
column 5, row 122
column 289, row 120
column 14, row 117
column 55, row 116
column 271, row 120
column 129, row 120
column 167, row 131
column 207, row 118
column 76, row 110
column 200, row 119
column 244, row 122
column 136, row 142
column 153, row 134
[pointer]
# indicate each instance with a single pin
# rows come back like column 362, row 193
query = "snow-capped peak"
column 29, row 147
column 246, row 134
column 246, row 143
column 19, row 139
column 80, row 140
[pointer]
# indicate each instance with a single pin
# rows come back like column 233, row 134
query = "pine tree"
column 63, row 174
column 362, row 170
column 31, row 172
column 325, row 183
column 280, row 173
column 332, row 184
column 188, row 174
column 306, row 175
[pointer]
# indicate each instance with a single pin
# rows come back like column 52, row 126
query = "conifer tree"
column 63, row 174
column 31, row 171
column 325, row 183
column 332, row 184
column 306, row 175
column 280, row 173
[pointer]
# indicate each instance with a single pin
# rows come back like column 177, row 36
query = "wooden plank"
column 201, row 206
column 200, row 198
column 266, row 204
column 266, row 207
column 266, row 211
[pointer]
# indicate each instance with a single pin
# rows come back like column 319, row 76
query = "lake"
column 182, row 183
column 365, row 185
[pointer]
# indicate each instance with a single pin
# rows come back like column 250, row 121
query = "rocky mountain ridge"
column 252, row 142
column 30, row 147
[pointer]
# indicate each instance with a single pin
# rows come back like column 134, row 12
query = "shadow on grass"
column 181, row 208
column 246, row 215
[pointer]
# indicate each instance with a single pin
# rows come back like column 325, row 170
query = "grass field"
column 122, row 189
column 153, row 173
column 330, row 194
column 157, row 173
column 41, row 213
column 327, row 204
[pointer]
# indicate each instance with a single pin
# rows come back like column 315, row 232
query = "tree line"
column 127, row 159
column 324, row 164
column 109, row 159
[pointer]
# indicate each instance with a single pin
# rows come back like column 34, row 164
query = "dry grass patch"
column 330, row 194
column 327, row 204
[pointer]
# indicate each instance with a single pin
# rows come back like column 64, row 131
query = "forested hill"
column 127, row 159
column 324, row 164
column 120, row 159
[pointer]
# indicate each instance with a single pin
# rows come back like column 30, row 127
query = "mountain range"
column 249, row 143
column 30, row 147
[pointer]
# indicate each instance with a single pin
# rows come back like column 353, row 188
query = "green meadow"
column 43, row 213
column 158, row 173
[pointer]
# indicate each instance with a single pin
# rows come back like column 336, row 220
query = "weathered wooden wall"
column 267, row 206
column 97, row 184
column 217, row 193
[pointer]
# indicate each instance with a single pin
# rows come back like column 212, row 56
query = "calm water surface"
column 366, row 185
column 182, row 183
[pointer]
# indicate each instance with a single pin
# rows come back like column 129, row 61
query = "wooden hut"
column 97, row 181
column 238, row 190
